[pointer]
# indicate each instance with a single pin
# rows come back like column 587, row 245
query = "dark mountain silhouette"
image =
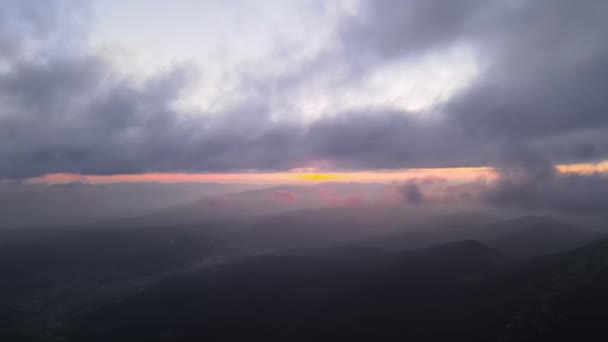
column 522, row 237
column 534, row 235
column 571, row 299
column 50, row 273
column 425, row 230
column 275, row 297
column 301, row 275
column 403, row 240
column 345, row 252
column 306, row 228
column 467, row 255
column 462, row 291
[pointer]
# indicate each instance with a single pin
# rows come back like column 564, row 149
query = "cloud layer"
column 543, row 73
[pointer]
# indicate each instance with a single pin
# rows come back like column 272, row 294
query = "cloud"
column 543, row 74
column 538, row 185
column 335, row 198
column 542, row 85
column 517, row 187
column 411, row 193
column 284, row 196
column 355, row 201
column 543, row 69
column 45, row 28
column 388, row 30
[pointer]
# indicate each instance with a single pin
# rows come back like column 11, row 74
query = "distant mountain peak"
column 469, row 255
column 530, row 236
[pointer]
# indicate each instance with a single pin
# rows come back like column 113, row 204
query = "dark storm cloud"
column 541, row 87
column 541, row 187
column 27, row 25
column 392, row 29
column 544, row 67
column 545, row 80
column 527, row 180
column 411, row 193
column 389, row 139
column 72, row 112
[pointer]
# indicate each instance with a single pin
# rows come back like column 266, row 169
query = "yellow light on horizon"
column 584, row 168
column 319, row 176
column 306, row 175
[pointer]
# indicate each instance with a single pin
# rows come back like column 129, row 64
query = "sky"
column 356, row 90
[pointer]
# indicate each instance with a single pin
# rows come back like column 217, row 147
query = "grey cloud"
column 74, row 116
column 74, row 113
column 528, row 180
column 411, row 193
column 535, row 187
column 388, row 139
column 546, row 189
column 47, row 27
column 543, row 75
column 541, row 87
column 393, row 29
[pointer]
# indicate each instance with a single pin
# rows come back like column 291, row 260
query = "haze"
column 303, row 170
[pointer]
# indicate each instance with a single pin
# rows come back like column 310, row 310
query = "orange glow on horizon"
column 585, row 169
column 319, row 176
column 307, row 175
column 453, row 174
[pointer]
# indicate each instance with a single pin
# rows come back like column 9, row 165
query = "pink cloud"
column 334, row 199
column 284, row 196
column 355, row 201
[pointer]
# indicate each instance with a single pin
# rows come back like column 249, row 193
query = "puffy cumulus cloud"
column 543, row 71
